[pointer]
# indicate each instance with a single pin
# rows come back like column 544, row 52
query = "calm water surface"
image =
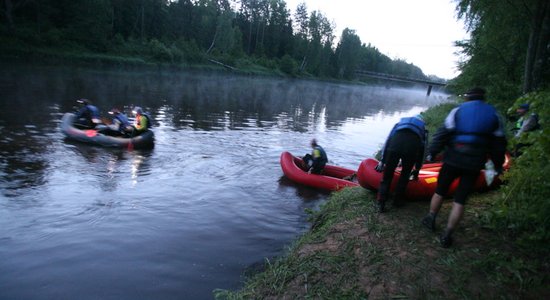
column 189, row 216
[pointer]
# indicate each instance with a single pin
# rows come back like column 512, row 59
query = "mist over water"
column 188, row 216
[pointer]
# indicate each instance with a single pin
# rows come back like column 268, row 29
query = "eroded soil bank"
column 353, row 252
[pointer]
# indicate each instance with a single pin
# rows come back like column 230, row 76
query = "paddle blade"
column 91, row 133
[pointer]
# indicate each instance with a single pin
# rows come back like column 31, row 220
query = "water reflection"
column 306, row 193
column 110, row 166
column 213, row 180
column 21, row 162
column 212, row 102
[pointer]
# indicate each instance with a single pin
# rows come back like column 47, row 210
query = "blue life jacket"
column 416, row 125
column 89, row 112
column 475, row 122
column 94, row 111
column 122, row 119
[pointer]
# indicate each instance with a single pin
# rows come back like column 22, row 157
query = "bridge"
column 384, row 76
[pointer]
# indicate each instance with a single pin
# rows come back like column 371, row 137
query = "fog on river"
column 190, row 215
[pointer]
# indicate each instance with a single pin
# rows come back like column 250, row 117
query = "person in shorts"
column 471, row 133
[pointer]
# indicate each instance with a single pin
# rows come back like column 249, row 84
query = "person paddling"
column 119, row 123
column 87, row 115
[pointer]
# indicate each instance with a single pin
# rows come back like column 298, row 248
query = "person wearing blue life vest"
column 119, row 124
column 87, row 115
column 406, row 143
column 471, row 133
column 316, row 161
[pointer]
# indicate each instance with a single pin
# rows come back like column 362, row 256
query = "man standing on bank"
column 406, row 142
column 471, row 132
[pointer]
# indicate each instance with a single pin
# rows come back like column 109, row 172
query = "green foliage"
column 348, row 54
column 524, row 207
column 159, row 51
column 435, row 116
column 288, row 65
column 495, row 55
column 190, row 32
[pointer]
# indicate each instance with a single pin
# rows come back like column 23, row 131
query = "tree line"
column 509, row 48
column 238, row 33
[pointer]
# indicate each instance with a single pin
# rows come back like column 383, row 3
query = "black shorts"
column 448, row 174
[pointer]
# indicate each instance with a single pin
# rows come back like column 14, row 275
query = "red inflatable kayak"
column 425, row 186
column 331, row 179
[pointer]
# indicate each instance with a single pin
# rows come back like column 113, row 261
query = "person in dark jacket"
column 87, row 115
column 471, row 133
column 316, row 161
column 406, row 143
column 119, row 124
column 526, row 122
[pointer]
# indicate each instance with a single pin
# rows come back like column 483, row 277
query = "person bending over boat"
column 142, row 121
column 87, row 115
column 471, row 132
column 316, row 161
column 406, row 143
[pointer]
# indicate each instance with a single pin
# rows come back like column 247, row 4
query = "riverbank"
column 353, row 252
column 55, row 56
column 13, row 51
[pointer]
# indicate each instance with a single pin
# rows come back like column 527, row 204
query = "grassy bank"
column 352, row 252
column 80, row 57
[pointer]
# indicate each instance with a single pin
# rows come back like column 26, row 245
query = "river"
column 192, row 214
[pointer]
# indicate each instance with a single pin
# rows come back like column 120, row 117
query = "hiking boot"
column 445, row 240
column 429, row 222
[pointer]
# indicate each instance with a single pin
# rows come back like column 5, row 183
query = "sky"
column 421, row 32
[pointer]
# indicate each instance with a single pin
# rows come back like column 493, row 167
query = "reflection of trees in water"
column 33, row 99
column 204, row 100
column 22, row 164
column 210, row 101
column 110, row 166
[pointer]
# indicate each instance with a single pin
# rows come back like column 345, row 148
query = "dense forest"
column 509, row 55
column 238, row 33
column 509, row 49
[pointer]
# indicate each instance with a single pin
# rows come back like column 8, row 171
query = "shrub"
column 159, row 51
column 288, row 65
column 523, row 206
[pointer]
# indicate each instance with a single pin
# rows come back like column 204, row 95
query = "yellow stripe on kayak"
column 431, row 180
